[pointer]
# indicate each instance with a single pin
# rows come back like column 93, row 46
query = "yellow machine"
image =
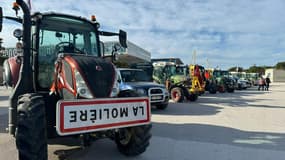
column 198, row 80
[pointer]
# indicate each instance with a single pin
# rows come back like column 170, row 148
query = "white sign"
column 83, row 116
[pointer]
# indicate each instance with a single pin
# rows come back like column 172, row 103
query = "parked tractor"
column 211, row 82
column 176, row 79
column 66, row 88
column 197, row 75
column 224, row 81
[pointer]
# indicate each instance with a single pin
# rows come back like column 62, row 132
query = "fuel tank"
column 11, row 70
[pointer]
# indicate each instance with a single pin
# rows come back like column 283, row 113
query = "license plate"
column 84, row 116
column 156, row 97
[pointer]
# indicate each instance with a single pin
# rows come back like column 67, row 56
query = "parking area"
column 247, row 124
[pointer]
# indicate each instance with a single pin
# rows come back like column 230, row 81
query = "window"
column 62, row 35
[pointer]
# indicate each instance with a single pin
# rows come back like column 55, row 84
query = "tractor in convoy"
column 177, row 80
column 65, row 87
column 197, row 75
column 224, row 82
column 211, row 82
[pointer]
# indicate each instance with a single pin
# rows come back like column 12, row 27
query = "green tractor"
column 176, row 79
column 224, row 82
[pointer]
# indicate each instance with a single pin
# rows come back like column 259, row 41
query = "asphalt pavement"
column 244, row 125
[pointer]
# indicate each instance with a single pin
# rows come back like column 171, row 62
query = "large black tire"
column 161, row 106
column 133, row 141
column 177, row 94
column 212, row 89
column 193, row 97
column 230, row 90
column 222, row 89
column 31, row 138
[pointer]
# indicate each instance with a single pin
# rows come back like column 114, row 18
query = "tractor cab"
column 58, row 35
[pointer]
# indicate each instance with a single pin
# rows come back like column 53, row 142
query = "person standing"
column 261, row 83
column 267, row 81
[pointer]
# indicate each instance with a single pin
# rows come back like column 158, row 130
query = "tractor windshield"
column 68, row 35
column 63, row 34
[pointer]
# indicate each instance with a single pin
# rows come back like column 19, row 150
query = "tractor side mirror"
column 123, row 38
column 117, row 47
column 1, row 18
column 115, row 55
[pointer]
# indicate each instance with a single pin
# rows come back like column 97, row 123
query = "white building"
column 131, row 54
column 275, row 75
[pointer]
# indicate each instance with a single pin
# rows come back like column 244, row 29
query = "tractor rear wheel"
column 222, row 89
column 230, row 90
column 31, row 138
column 132, row 141
column 213, row 89
column 177, row 94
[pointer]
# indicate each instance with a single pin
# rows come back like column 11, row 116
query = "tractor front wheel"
column 177, row 94
column 133, row 141
column 31, row 138
column 193, row 97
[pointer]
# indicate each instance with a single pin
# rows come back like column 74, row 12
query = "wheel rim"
column 175, row 95
column 125, row 136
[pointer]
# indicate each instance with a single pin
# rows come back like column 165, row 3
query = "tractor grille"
column 98, row 73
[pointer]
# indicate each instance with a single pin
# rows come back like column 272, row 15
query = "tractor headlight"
column 81, row 87
column 115, row 89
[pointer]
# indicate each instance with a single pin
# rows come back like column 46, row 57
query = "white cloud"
column 228, row 33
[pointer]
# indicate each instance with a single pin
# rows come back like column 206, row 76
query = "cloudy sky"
column 224, row 33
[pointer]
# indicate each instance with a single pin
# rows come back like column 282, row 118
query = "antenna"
column 207, row 63
column 194, row 57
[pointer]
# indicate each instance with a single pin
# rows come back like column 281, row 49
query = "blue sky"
column 226, row 32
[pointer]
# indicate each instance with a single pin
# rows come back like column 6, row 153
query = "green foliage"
column 280, row 65
column 256, row 69
column 234, row 69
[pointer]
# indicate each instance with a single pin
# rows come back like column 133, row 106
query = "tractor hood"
column 98, row 74
column 178, row 78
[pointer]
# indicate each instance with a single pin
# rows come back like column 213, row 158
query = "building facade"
column 275, row 75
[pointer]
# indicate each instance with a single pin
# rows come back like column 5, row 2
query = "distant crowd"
column 263, row 83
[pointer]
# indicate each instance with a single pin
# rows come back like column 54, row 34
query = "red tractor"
column 67, row 88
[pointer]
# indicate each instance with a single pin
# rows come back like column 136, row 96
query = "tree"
column 234, row 69
column 280, row 65
column 256, row 69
